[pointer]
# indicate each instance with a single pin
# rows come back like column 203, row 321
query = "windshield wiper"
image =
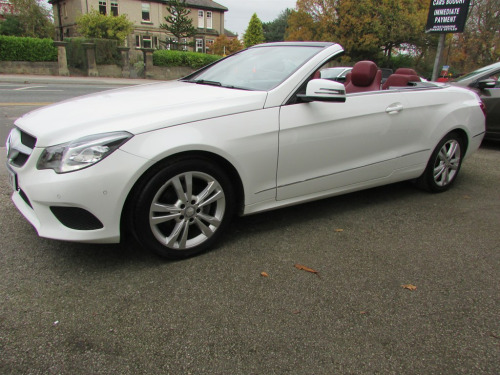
column 215, row 83
column 206, row 82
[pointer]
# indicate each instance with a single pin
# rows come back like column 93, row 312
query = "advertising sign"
column 447, row 16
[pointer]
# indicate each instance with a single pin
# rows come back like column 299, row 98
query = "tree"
column 178, row 23
column 479, row 44
column 302, row 27
column 254, row 34
column 367, row 29
column 225, row 46
column 100, row 26
column 29, row 18
column 11, row 26
column 274, row 31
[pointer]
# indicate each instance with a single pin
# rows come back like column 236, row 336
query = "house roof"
column 201, row 4
column 206, row 4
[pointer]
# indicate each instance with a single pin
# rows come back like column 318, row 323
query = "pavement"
column 43, row 79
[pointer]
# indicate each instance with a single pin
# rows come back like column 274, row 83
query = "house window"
column 209, row 45
column 137, row 41
column 102, row 7
column 209, row 20
column 172, row 43
column 199, row 45
column 114, row 8
column 184, row 44
column 146, row 41
column 146, row 10
column 201, row 19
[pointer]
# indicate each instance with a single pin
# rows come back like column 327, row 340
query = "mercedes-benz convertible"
column 173, row 162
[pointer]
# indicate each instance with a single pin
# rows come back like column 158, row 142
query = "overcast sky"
column 240, row 12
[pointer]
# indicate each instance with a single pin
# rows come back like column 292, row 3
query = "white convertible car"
column 172, row 162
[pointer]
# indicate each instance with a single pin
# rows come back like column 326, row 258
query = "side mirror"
column 486, row 84
column 324, row 90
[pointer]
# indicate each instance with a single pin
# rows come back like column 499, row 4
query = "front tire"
column 444, row 164
column 183, row 208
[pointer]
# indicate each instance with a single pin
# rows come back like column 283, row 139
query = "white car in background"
column 172, row 162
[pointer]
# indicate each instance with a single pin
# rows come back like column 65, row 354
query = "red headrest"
column 406, row 71
column 363, row 73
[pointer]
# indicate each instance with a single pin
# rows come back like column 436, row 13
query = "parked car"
column 172, row 162
column 335, row 74
column 486, row 83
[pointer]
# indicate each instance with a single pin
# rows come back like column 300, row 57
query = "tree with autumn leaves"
column 479, row 44
column 367, row 29
column 378, row 29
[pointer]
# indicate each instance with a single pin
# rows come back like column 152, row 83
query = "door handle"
column 394, row 108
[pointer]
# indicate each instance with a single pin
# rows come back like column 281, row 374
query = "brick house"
column 146, row 15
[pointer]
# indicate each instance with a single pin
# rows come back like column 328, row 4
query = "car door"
column 491, row 98
column 325, row 146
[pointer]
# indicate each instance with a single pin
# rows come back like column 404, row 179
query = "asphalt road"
column 18, row 96
column 116, row 309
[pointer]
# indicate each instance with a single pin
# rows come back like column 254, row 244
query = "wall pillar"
column 62, row 59
column 91, row 62
column 148, row 61
column 125, row 61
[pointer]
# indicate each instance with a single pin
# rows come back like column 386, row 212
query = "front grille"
column 20, row 145
column 76, row 218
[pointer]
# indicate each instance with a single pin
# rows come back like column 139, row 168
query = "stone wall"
column 24, row 67
column 113, row 71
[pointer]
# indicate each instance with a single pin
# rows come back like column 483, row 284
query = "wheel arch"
column 209, row 156
column 463, row 135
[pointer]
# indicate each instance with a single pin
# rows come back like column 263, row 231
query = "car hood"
column 136, row 109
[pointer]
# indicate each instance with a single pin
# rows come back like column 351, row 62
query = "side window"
column 496, row 77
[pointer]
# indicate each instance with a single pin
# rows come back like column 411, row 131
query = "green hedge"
column 181, row 58
column 14, row 48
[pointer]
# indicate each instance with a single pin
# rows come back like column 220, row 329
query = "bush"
column 13, row 48
column 106, row 52
column 181, row 58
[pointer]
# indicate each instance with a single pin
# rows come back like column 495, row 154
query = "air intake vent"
column 76, row 218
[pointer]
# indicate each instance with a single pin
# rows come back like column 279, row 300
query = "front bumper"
column 99, row 191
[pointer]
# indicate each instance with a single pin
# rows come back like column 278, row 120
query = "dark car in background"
column 486, row 83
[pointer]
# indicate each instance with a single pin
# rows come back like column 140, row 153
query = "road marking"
column 28, row 88
column 25, row 104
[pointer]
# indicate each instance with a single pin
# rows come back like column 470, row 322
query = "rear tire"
column 182, row 208
column 444, row 164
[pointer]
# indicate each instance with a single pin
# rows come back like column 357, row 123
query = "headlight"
column 81, row 153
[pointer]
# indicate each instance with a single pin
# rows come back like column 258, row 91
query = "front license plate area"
column 13, row 179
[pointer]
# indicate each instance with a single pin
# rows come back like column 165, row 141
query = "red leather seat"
column 399, row 80
column 365, row 76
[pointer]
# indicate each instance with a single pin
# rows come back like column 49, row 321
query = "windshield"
column 478, row 72
column 261, row 68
